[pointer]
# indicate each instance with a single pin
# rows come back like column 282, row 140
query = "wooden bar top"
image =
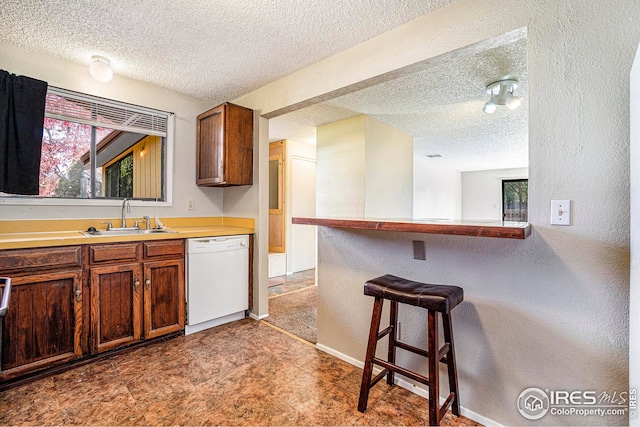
column 500, row 229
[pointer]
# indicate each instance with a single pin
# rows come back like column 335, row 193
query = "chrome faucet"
column 147, row 221
column 127, row 205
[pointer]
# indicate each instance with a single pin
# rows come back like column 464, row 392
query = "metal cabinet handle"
column 78, row 292
column 136, row 283
column 6, row 293
column 147, row 282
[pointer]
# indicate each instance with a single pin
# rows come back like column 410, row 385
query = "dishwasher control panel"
column 215, row 244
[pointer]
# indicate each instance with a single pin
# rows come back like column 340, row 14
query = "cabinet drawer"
column 100, row 254
column 36, row 259
column 165, row 248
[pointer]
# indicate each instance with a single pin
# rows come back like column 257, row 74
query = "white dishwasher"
column 217, row 281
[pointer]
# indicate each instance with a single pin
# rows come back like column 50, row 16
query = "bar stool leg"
column 371, row 352
column 434, row 379
column 391, row 353
column 451, row 363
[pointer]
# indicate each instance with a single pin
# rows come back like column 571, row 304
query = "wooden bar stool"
column 434, row 298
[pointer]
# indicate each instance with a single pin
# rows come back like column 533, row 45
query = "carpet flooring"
column 296, row 312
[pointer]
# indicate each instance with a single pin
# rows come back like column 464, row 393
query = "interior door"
column 303, row 204
column 277, row 213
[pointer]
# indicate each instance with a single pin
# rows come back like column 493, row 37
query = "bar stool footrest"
column 400, row 370
column 424, row 353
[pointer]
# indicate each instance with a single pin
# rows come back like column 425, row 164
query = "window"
column 515, row 196
column 119, row 178
column 95, row 148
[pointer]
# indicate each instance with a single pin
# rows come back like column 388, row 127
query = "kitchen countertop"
column 48, row 233
column 500, row 229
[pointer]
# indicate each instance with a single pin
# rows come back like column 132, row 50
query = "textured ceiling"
column 441, row 107
column 222, row 49
column 212, row 49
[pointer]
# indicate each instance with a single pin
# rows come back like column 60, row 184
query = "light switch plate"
column 561, row 212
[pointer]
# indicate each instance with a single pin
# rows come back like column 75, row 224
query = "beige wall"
column 482, row 192
column 550, row 311
column 253, row 202
column 634, row 304
column 365, row 169
column 340, row 173
column 436, row 189
column 388, row 171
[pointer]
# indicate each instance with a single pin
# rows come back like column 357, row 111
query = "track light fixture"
column 501, row 93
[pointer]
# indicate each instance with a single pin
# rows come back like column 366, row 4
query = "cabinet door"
column 164, row 310
column 116, row 306
column 43, row 326
column 210, row 147
column 224, row 146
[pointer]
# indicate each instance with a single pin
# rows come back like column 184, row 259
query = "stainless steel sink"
column 127, row 232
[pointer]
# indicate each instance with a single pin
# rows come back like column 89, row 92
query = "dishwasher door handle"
column 6, row 294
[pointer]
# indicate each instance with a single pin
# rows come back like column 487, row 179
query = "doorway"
column 292, row 248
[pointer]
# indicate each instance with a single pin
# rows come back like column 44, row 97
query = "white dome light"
column 100, row 69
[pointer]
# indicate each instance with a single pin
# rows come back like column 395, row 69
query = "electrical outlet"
column 191, row 204
column 561, row 212
column 419, row 251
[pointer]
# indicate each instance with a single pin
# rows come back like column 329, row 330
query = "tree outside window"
column 119, row 178
column 515, row 199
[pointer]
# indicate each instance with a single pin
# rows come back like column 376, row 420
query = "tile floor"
column 242, row 373
column 283, row 284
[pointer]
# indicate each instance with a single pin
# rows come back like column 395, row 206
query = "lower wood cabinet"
column 135, row 301
column 72, row 301
column 116, row 306
column 164, row 303
column 43, row 326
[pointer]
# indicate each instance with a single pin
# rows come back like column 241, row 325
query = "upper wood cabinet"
column 224, row 153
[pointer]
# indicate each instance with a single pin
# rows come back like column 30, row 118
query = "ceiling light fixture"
column 502, row 94
column 100, row 69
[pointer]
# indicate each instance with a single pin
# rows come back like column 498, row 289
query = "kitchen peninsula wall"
column 550, row 311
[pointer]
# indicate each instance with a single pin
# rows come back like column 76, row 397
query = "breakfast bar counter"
column 500, row 229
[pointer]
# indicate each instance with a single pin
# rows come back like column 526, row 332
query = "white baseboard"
column 256, row 317
column 409, row 386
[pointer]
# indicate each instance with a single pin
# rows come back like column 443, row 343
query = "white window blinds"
column 71, row 106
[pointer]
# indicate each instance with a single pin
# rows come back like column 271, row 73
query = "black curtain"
column 22, row 102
